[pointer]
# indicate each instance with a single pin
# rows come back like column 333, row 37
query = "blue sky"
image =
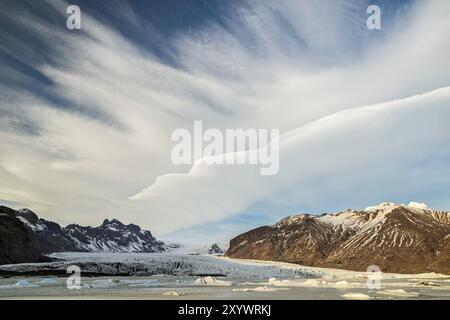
column 86, row 116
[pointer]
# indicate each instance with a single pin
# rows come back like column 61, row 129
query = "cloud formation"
column 362, row 115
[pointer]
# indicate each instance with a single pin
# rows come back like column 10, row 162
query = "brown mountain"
column 397, row 238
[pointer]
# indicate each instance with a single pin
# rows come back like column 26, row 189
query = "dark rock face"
column 397, row 238
column 16, row 242
column 24, row 237
column 47, row 236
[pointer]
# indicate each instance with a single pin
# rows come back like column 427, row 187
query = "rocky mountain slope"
column 397, row 238
column 26, row 237
column 16, row 242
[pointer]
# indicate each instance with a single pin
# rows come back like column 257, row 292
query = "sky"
column 86, row 115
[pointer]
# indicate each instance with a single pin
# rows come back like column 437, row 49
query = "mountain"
column 26, row 237
column 215, row 249
column 16, row 241
column 114, row 236
column 397, row 238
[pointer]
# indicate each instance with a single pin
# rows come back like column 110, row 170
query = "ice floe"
column 398, row 293
column 259, row 289
column 173, row 293
column 355, row 296
column 211, row 281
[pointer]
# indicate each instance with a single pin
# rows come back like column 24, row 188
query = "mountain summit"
column 398, row 238
column 34, row 237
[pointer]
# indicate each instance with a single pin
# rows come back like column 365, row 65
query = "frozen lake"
column 181, row 276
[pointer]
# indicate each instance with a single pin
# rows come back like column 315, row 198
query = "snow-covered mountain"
column 47, row 236
column 114, row 236
column 215, row 249
column 212, row 249
column 395, row 237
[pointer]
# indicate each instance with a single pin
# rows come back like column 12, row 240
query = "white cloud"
column 374, row 150
column 84, row 165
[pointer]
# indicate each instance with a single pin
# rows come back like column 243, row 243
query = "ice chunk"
column 104, row 283
column 115, row 281
column 342, row 284
column 429, row 283
column 312, row 283
column 173, row 293
column 398, row 293
column 24, row 284
column 355, row 296
column 296, row 283
column 146, row 283
column 210, row 281
column 259, row 289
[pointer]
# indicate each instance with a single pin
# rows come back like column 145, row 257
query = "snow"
column 347, row 218
column 35, row 227
column 388, row 206
column 418, row 205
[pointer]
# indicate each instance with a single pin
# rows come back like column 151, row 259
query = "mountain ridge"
column 44, row 236
column 396, row 237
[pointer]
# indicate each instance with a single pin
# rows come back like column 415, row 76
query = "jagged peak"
column 214, row 248
column 30, row 215
column 112, row 222
column 352, row 214
column 25, row 210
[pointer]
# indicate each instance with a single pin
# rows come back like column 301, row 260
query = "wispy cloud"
column 99, row 132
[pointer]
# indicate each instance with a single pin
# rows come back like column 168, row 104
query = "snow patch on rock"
column 418, row 205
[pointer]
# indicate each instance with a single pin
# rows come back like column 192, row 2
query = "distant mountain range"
column 397, row 238
column 24, row 237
